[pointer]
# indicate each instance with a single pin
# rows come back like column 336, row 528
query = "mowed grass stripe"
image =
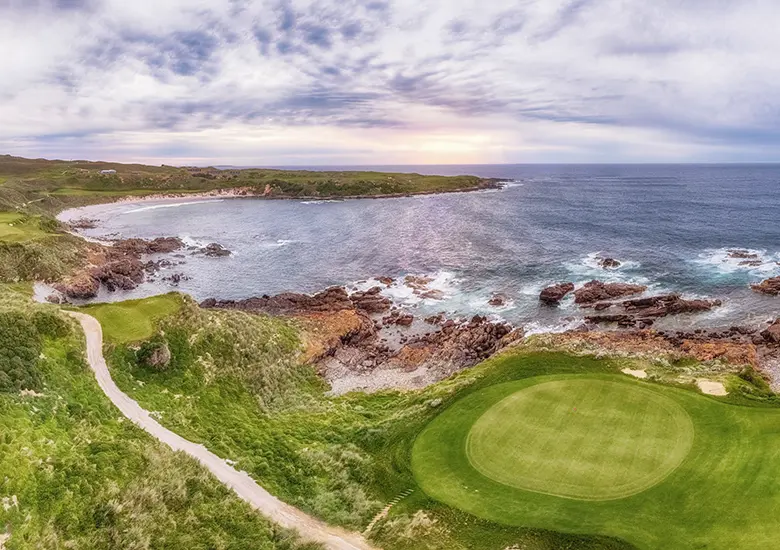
column 580, row 438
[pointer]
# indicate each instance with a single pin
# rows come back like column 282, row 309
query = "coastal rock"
column 642, row 312
column 552, row 295
column 772, row 334
column 398, row 318
column 739, row 254
column 371, row 301
column 83, row 223
column 770, row 287
column 387, row 281
column 609, row 263
column 289, row 303
column 123, row 274
column 214, row 250
column 138, row 247
column 597, row 291
column 79, row 287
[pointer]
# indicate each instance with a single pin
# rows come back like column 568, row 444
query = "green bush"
column 20, row 347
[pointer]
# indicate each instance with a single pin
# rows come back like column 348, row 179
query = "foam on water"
column 168, row 205
column 721, row 261
column 588, row 268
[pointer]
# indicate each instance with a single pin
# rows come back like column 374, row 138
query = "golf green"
column 602, row 454
column 581, row 438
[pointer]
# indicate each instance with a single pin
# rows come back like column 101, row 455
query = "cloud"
column 499, row 81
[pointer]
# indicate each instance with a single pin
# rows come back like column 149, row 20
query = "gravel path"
column 244, row 486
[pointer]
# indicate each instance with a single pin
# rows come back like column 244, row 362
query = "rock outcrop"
column 214, row 250
column 643, row 312
column 770, row 287
column 552, row 295
column 288, row 303
column 597, row 291
column 117, row 267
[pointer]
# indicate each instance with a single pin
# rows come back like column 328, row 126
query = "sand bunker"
column 711, row 388
column 635, row 373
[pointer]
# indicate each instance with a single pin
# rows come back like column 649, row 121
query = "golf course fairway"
column 657, row 466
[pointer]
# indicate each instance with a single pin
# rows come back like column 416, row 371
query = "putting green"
column 656, row 466
column 581, row 438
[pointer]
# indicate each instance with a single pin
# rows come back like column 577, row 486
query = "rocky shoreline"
column 363, row 340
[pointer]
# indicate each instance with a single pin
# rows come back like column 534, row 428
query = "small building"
column 108, row 172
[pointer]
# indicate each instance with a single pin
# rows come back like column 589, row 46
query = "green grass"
column 583, row 438
column 133, row 320
column 724, row 493
column 75, row 474
column 15, row 228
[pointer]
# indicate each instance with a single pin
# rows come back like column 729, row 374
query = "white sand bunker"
column 635, row 373
column 711, row 388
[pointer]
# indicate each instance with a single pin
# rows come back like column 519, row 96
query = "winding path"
column 244, row 486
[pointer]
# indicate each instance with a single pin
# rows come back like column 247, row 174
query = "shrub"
column 20, row 347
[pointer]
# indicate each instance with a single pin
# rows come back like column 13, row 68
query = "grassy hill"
column 39, row 185
column 75, row 474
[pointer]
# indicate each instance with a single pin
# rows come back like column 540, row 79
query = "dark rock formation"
column 597, row 291
column 641, row 313
column 769, row 286
column 214, row 250
column 289, row 303
column 371, row 301
column 497, row 300
column 738, row 254
column 609, row 263
column 772, row 334
column 552, row 295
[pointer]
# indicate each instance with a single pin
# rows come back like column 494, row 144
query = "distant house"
column 108, row 172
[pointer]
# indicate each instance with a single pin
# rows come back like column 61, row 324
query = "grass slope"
column 724, row 494
column 135, row 319
column 73, row 474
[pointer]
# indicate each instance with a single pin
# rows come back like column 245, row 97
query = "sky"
column 318, row 82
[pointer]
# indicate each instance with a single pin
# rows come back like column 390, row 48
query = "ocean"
column 671, row 226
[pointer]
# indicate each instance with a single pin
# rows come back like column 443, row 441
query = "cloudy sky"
column 284, row 82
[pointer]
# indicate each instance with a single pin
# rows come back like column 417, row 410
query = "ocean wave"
column 168, row 205
column 723, row 261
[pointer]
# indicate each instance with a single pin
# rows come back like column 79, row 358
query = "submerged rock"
column 609, row 263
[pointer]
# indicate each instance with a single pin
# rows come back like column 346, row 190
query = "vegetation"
column 47, row 186
column 134, row 320
column 73, row 474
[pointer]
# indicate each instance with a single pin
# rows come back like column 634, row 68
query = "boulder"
column 772, row 334
column 155, row 354
column 597, row 291
column 552, row 295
